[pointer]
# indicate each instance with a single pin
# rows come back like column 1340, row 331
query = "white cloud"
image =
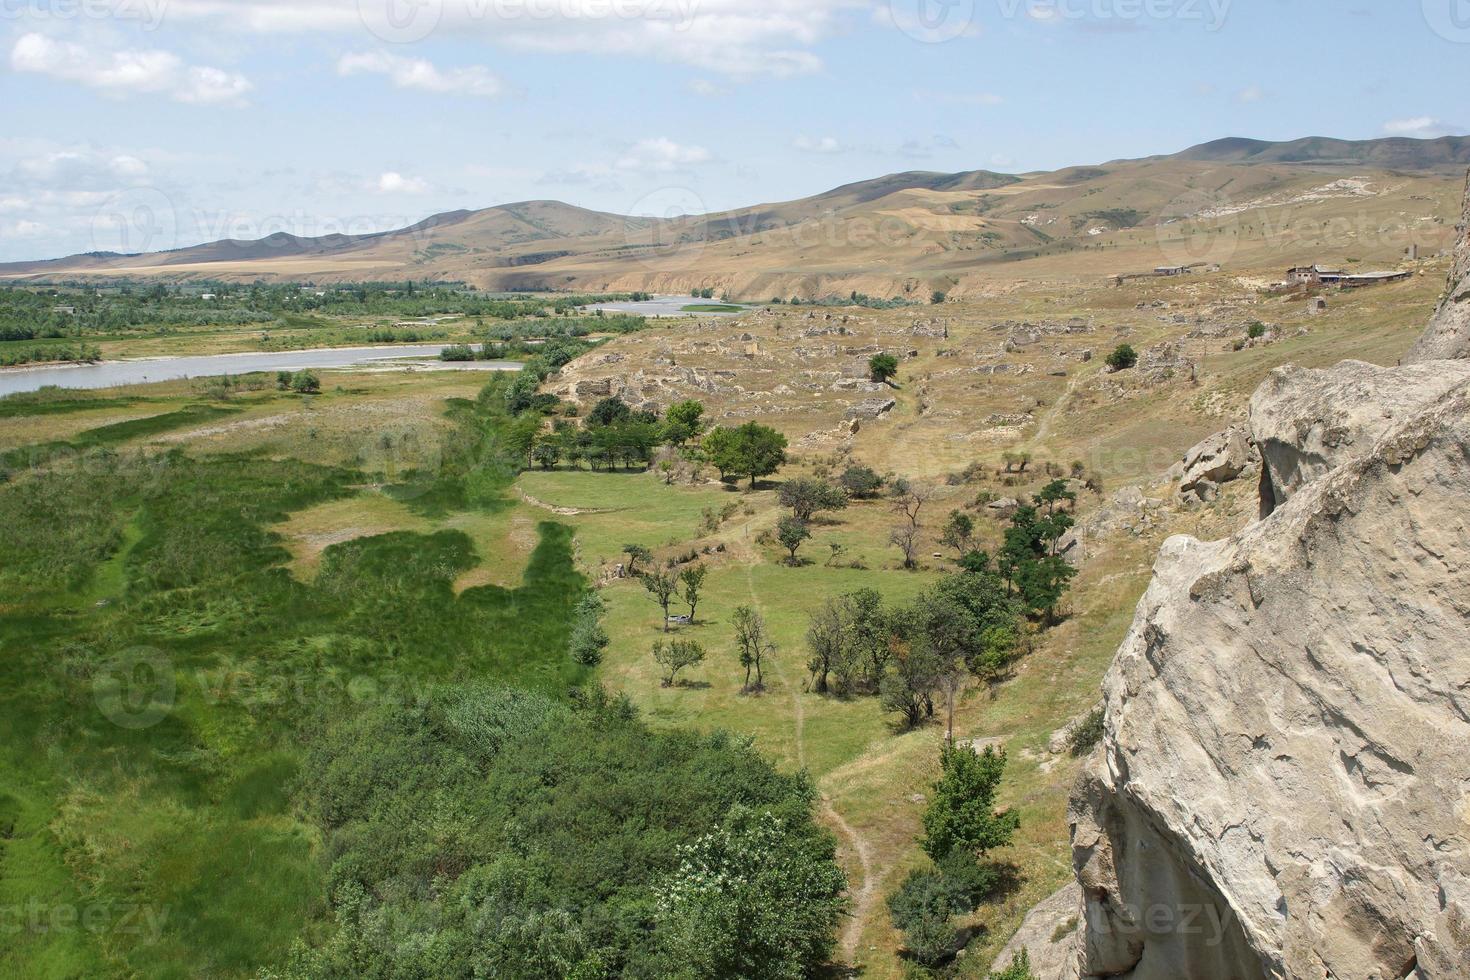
column 127, row 72
column 958, row 98
column 661, row 155
column 1250, row 95
column 1421, row 127
column 416, row 73
column 750, row 37
column 28, row 229
column 706, row 89
column 393, row 182
column 823, row 144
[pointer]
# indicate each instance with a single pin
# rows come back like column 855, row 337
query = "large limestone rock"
column 1283, row 788
column 1305, row 422
column 1448, row 335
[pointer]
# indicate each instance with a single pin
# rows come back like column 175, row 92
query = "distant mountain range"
column 906, row 233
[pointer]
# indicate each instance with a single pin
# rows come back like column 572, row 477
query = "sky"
column 133, row 125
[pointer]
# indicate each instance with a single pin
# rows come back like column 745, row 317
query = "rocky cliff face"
column 1284, row 788
column 1449, row 332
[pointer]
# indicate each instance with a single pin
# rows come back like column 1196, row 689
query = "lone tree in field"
column 692, row 579
column 636, row 553
column 806, row 497
column 861, row 482
column 1123, row 357
column 753, row 644
column 663, row 589
column 792, row 532
column 306, row 382
column 883, row 368
column 752, row 450
column 962, row 818
column 675, row 655
column 905, row 537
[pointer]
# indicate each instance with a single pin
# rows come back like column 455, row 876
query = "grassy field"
column 162, row 672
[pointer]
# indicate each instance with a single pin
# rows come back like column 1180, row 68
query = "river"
column 108, row 374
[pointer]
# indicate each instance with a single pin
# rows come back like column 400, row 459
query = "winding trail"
column 863, row 897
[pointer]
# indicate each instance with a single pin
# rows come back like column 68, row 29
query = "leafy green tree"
column 683, row 421
column 636, row 553
column 663, row 589
column 861, row 482
column 830, row 641
column 962, row 818
column 1122, row 358
column 746, row 902
column 1055, row 493
column 753, row 643
column 938, row 297
column 806, row 496
column 609, row 411
column 1042, row 582
column 752, row 450
column 792, row 533
column 546, row 454
column 883, row 368
column 959, row 532
column 676, row 655
column 305, row 382
column 692, row 581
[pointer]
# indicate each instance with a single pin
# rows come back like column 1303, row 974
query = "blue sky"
column 239, row 118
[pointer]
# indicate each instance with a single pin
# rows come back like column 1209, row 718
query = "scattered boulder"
column 1221, row 458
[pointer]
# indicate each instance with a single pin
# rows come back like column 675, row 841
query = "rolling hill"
column 1244, row 204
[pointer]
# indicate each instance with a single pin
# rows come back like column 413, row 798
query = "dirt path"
column 865, row 895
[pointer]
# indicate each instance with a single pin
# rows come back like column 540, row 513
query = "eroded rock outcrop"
column 1284, row 784
column 1221, row 458
column 1305, row 422
column 1448, row 335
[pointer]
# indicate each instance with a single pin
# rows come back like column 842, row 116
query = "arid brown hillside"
column 1240, row 204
